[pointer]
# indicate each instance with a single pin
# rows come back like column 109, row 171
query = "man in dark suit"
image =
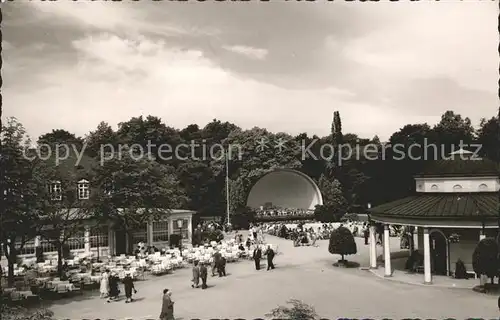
column 217, row 263
column 257, row 255
column 270, row 256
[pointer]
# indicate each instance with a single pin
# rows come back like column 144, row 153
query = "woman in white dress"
column 105, row 284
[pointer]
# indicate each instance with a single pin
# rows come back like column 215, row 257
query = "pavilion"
column 456, row 204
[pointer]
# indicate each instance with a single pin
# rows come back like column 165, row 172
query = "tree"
column 60, row 136
column 242, row 217
column 101, row 138
column 21, row 189
column 489, row 138
column 451, row 131
column 133, row 190
column 342, row 242
column 485, row 259
column 298, row 311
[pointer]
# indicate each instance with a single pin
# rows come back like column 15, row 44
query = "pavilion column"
column 149, row 233
column 373, row 247
column 427, row 257
column 190, row 229
column 387, row 252
column 111, row 240
column 86, row 239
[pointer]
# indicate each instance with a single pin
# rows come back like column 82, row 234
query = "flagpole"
column 227, row 188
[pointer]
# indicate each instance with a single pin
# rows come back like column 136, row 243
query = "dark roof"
column 461, row 167
column 464, row 206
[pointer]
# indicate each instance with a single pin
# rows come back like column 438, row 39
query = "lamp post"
column 180, row 223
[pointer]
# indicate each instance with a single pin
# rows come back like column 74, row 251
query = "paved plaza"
column 304, row 273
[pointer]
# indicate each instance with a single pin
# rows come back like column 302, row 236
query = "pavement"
column 303, row 273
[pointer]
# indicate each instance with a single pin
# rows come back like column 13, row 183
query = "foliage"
column 298, row 311
column 11, row 313
column 485, row 259
column 21, row 189
column 242, row 217
column 342, row 242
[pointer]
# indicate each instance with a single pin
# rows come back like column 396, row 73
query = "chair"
column 62, row 289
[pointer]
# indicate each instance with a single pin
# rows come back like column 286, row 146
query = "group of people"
column 257, row 256
column 280, row 212
column 110, row 286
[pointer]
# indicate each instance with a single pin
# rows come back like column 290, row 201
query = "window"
column 55, row 190
column 76, row 241
column 184, row 230
column 99, row 237
column 483, row 187
column 83, row 190
column 47, row 246
column 434, row 187
column 160, row 231
column 457, row 187
column 28, row 248
column 140, row 235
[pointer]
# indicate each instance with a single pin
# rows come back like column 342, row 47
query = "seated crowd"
column 284, row 212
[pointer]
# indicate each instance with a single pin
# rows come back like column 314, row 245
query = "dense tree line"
column 194, row 178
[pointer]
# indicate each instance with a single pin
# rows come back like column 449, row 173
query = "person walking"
column 196, row 275
column 257, row 255
column 203, row 275
column 104, row 289
column 167, row 306
column 270, row 256
column 114, row 291
column 366, row 234
column 128, row 284
column 222, row 271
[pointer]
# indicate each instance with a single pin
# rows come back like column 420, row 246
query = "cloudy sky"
column 283, row 66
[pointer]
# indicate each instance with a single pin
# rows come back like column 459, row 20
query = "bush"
column 175, row 240
column 298, row 311
column 342, row 242
column 485, row 258
column 10, row 313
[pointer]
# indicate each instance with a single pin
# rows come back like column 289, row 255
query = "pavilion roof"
column 443, row 206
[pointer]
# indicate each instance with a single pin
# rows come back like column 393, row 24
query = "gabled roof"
column 465, row 206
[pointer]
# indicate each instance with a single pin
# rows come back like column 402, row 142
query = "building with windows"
column 103, row 239
column 456, row 204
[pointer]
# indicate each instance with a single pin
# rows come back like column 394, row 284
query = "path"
column 303, row 273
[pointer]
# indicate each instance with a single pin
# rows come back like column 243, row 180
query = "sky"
column 284, row 66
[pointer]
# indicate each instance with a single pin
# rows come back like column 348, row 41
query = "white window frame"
column 83, row 190
column 55, row 190
column 160, row 231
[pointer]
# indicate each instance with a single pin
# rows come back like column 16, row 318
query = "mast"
column 227, row 187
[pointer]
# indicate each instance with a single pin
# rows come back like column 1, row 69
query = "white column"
column 190, row 229
column 427, row 257
column 415, row 239
column 387, row 251
column 170, row 226
column 86, row 236
column 150, row 233
column 373, row 247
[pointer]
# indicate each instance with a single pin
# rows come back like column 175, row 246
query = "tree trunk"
column 11, row 260
column 342, row 257
column 59, row 259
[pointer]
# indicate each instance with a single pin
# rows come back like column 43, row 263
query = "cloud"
column 67, row 66
column 252, row 53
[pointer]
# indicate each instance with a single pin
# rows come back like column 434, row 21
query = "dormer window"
column 83, row 190
column 109, row 187
column 55, row 190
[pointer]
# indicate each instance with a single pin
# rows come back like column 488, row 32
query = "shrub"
column 11, row 313
column 485, row 258
column 175, row 240
column 298, row 311
column 342, row 242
